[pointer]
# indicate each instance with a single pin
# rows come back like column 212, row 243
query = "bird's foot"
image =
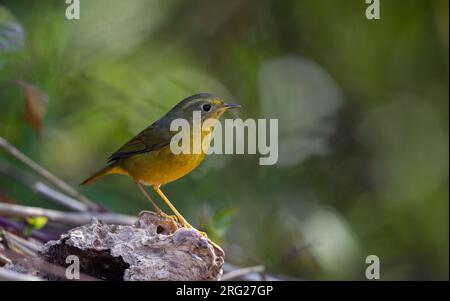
column 186, row 225
column 171, row 217
column 202, row 233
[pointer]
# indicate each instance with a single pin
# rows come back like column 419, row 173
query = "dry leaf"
column 35, row 105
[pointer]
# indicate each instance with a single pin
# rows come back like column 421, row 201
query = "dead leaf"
column 35, row 105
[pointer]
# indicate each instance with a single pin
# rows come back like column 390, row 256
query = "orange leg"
column 181, row 219
column 157, row 210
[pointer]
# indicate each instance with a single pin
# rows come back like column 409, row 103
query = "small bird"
column 148, row 159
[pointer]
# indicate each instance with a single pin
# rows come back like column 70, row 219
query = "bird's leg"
column 155, row 207
column 181, row 219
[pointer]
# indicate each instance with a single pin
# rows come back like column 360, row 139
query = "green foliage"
column 216, row 224
column 37, row 222
column 34, row 223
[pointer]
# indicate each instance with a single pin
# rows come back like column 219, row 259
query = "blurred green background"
column 362, row 108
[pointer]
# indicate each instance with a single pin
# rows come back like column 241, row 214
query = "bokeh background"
column 362, row 108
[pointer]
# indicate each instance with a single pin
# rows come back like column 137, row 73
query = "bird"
column 148, row 159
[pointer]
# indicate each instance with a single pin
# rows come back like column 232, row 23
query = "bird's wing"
column 150, row 139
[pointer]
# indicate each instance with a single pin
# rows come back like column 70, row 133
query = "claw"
column 188, row 226
column 202, row 234
column 171, row 217
column 185, row 224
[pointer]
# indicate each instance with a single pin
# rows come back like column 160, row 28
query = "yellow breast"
column 162, row 166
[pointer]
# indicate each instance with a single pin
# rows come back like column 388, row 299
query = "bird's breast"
column 161, row 166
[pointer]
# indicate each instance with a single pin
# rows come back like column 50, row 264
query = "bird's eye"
column 206, row 107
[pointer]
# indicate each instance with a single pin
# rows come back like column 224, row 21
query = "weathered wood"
column 154, row 248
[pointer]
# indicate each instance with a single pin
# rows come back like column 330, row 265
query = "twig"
column 61, row 185
column 41, row 188
column 72, row 218
column 229, row 268
column 4, row 259
column 238, row 273
column 20, row 246
column 29, row 264
column 19, row 241
column 9, row 275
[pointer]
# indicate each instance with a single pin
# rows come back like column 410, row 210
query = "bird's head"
column 209, row 106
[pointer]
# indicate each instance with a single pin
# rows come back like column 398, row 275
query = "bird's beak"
column 231, row 106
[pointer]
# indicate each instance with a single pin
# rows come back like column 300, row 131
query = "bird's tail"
column 107, row 170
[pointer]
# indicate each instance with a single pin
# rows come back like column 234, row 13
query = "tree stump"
column 154, row 248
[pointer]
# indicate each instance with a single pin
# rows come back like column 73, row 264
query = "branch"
column 27, row 247
column 71, row 218
column 40, row 188
column 9, row 275
column 240, row 272
column 251, row 274
column 4, row 260
column 26, row 261
column 61, row 185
